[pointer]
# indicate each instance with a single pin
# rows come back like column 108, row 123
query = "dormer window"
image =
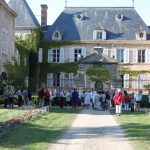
column 119, row 17
column 141, row 34
column 79, row 16
column 99, row 33
column 57, row 35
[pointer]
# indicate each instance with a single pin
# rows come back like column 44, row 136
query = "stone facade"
column 7, row 38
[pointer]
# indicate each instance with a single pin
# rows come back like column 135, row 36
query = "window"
column 57, row 35
column 77, row 53
column 56, row 55
column 120, row 55
column 99, row 35
column 98, row 50
column 141, row 35
column 56, row 80
column 4, row 42
column 141, row 56
column 119, row 17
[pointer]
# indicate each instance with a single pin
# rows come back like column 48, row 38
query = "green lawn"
column 7, row 114
column 137, row 127
column 37, row 133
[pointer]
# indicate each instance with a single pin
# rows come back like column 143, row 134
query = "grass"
column 137, row 128
column 37, row 133
column 7, row 114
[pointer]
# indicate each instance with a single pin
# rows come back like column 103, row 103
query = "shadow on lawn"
column 137, row 131
column 29, row 134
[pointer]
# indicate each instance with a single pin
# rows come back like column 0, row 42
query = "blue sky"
column 55, row 7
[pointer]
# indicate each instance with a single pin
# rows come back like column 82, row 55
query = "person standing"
column 96, row 101
column 25, row 97
column 75, row 98
column 118, row 101
column 47, row 97
column 138, row 99
column 87, row 99
column 68, row 98
column 19, row 94
column 126, row 101
column 6, row 98
column 11, row 98
column 62, row 98
column 41, row 96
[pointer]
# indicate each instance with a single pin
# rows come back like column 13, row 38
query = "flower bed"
column 4, row 126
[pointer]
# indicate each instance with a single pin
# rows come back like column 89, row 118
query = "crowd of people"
column 24, row 97
column 95, row 99
column 132, row 101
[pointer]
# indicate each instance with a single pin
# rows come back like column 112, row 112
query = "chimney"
column 44, row 8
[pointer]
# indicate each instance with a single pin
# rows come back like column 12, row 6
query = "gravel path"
column 93, row 130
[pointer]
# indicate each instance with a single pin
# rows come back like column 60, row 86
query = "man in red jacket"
column 118, row 101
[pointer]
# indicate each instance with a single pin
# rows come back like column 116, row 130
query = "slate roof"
column 4, row 4
column 73, row 28
column 25, row 17
column 97, row 59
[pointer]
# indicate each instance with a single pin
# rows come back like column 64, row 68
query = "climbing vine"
column 133, row 72
column 98, row 73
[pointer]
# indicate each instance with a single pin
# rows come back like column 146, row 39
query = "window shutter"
column 83, row 52
column 49, row 80
column 141, row 81
column 50, row 55
column 71, row 55
column 94, row 35
column 147, row 54
column 105, row 51
column 62, row 80
column 134, row 56
column 61, row 55
column 126, row 56
column 40, row 54
column 113, row 53
column 126, row 80
column 71, row 80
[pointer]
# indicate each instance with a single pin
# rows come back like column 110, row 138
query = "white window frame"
column 56, row 55
column 77, row 52
column 121, row 53
column 71, row 80
column 99, row 35
column 141, row 58
column 56, row 80
column 49, row 80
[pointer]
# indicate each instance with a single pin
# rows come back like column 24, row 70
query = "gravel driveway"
column 93, row 130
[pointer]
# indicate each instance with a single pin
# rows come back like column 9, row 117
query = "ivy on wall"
column 54, row 44
column 133, row 72
column 98, row 73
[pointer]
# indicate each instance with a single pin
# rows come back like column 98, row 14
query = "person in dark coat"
column 75, row 98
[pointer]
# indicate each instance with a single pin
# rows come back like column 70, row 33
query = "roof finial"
column 133, row 3
column 66, row 3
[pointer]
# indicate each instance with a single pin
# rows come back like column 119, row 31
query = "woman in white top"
column 87, row 99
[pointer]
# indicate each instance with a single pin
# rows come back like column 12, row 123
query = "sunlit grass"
column 137, row 128
column 39, row 132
